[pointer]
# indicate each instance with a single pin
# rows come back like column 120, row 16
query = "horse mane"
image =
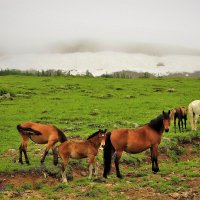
column 94, row 134
column 156, row 123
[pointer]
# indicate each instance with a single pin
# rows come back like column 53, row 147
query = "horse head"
column 166, row 120
column 102, row 137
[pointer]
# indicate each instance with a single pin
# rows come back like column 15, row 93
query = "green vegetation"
column 81, row 105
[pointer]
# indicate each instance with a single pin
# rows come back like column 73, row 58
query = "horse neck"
column 157, row 125
column 95, row 142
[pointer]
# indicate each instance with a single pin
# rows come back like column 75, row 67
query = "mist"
column 50, row 27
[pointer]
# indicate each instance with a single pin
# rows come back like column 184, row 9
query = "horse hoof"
column 119, row 176
column 155, row 171
column 21, row 162
column 65, row 182
column 42, row 162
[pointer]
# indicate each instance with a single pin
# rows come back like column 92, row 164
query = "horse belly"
column 78, row 155
column 38, row 139
column 137, row 148
column 137, row 145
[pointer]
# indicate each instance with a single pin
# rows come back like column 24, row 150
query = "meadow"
column 79, row 106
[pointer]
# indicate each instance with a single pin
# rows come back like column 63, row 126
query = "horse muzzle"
column 166, row 130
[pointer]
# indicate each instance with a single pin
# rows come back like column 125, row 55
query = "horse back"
column 41, row 133
column 77, row 149
column 194, row 107
column 134, row 140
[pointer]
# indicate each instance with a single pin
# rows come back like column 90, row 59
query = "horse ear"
column 169, row 112
column 105, row 130
column 163, row 112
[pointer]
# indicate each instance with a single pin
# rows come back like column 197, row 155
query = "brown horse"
column 135, row 141
column 40, row 134
column 181, row 114
column 80, row 149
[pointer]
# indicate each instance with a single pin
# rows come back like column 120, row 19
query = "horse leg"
column 96, row 169
column 174, row 124
column 64, row 170
column 154, row 158
column 179, row 120
column 192, row 121
column 185, row 122
column 91, row 162
column 182, row 124
column 49, row 145
column 23, row 148
column 20, row 154
column 118, row 155
column 195, row 121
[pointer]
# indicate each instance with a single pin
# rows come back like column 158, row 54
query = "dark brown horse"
column 135, row 141
column 181, row 114
column 80, row 149
column 40, row 134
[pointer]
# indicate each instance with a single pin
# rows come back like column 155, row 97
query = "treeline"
column 120, row 74
column 52, row 72
column 128, row 74
column 49, row 72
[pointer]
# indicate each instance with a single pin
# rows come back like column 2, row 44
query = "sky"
column 62, row 26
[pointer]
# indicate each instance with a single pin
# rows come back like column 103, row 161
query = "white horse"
column 194, row 112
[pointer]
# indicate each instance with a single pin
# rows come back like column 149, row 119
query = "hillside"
column 81, row 105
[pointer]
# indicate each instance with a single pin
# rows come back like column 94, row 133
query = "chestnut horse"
column 135, row 141
column 181, row 114
column 194, row 112
column 40, row 134
column 80, row 149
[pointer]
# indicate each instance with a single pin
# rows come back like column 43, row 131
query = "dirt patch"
column 146, row 193
column 188, row 155
column 31, row 177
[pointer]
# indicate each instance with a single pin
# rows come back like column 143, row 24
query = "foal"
column 135, row 141
column 40, row 134
column 80, row 149
column 181, row 114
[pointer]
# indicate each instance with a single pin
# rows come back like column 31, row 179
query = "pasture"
column 79, row 106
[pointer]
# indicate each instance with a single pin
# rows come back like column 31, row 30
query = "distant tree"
column 160, row 64
column 88, row 73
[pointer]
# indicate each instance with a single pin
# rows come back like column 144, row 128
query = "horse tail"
column 27, row 131
column 19, row 127
column 61, row 135
column 107, row 154
column 173, row 111
column 55, row 155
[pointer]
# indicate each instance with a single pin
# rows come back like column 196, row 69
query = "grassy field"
column 81, row 105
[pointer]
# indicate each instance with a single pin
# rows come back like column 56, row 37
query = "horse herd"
column 114, row 143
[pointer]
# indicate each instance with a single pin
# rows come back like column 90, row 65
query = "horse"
column 40, row 134
column 135, row 141
column 194, row 112
column 181, row 114
column 78, row 150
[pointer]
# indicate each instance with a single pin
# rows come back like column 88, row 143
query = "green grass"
column 81, row 105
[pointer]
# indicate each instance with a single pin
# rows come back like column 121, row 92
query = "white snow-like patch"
column 102, row 62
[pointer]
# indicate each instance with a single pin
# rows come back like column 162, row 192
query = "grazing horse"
column 135, row 141
column 194, row 112
column 40, row 134
column 80, row 149
column 181, row 114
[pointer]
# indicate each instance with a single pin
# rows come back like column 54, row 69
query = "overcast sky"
column 29, row 26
